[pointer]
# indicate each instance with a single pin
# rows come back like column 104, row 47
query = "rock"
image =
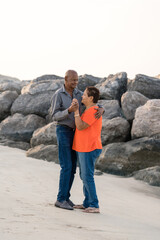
column 32, row 104
column 6, row 100
column 148, row 86
column 130, row 101
column 112, row 108
column 147, row 120
column 14, row 144
column 36, row 97
column 98, row 173
column 125, row 158
column 45, row 152
column 4, row 79
column 150, row 175
column 25, row 83
column 19, row 127
column 113, row 87
column 87, row 80
column 9, row 84
column 114, row 130
column 42, row 86
column 45, row 135
column 47, row 77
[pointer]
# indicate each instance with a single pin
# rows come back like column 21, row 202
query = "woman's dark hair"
column 94, row 92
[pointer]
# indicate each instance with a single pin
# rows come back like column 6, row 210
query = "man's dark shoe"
column 71, row 203
column 64, row 205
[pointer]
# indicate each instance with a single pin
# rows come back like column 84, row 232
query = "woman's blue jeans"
column 67, row 160
column 87, row 162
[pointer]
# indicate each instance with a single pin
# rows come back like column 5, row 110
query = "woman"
column 87, row 143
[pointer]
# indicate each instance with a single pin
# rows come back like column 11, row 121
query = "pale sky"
column 97, row 37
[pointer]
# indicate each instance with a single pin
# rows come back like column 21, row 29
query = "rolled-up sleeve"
column 56, row 112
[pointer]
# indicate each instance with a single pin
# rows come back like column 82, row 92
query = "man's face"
column 71, row 80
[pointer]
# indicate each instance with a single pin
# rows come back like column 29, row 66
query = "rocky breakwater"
column 130, row 131
column 26, row 109
column 141, row 107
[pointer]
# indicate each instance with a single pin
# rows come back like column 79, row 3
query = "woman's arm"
column 78, row 121
column 81, row 125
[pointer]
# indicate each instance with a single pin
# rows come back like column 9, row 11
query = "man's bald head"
column 70, row 73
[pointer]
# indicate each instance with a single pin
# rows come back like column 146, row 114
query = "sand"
column 130, row 209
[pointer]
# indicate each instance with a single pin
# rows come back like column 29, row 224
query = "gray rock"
column 87, row 80
column 25, row 83
column 98, row 173
column 9, row 84
column 125, row 158
column 150, row 175
column 42, row 86
column 147, row 120
column 47, row 77
column 19, row 127
column 114, row 130
column 45, row 152
column 36, row 97
column 113, row 87
column 148, row 86
column 130, row 101
column 112, row 108
column 6, row 100
column 45, row 135
column 14, row 144
column 4, row 79
column 32, row 104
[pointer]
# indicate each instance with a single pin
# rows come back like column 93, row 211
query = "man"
column 63, row 112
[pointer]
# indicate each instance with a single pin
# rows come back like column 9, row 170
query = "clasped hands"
column 74, row 105
column 75, row 108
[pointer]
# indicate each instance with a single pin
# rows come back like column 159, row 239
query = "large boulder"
column 125, row 158
column 150, row 175
column 147, row 120
column 4, row 79
column 6, row 100
column 14, row 144
column 47, row 77
column 19, row 127
column 36, row 97
column 45, row 135
column 42, row 86
column 130, row 101
column 111, row 107
column 114, row 130
column 45, row 152
column 10, row 84
column 87, row 80
column 32, row 104
column 148, row 86
column 113, row 87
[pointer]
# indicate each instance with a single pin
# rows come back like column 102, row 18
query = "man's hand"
column 99, row 112
column 74, row 106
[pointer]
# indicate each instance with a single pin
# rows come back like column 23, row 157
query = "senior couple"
column 78, row 136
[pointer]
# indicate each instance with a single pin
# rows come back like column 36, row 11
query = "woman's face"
column 85, row 99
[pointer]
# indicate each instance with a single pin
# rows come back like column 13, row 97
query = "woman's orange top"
column 88, row 139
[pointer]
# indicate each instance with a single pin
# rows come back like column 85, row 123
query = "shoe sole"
column 91, row 211
column 79, row 207
column 63, row 207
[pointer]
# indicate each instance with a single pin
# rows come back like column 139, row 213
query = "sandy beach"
column 130, row 209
